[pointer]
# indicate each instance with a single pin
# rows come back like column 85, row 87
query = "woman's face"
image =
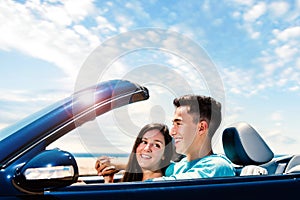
column 150, row 151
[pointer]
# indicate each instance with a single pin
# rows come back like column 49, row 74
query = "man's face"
column 183, row 130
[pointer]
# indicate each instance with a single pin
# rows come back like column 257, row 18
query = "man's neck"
column 199, row 153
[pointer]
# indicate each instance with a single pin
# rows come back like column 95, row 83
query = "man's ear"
column 202, row 127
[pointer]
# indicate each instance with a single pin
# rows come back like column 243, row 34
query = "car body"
column 29, row 170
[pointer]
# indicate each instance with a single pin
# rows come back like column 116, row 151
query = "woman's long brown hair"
column 133, row 171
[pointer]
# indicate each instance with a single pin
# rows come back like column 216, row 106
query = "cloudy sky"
column 254, row 45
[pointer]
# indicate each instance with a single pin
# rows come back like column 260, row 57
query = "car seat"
column 293, row 165
column 244, row 147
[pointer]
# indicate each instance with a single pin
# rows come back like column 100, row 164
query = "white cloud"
column 294, row 12
column 280, row 60
column 297, row 63
column 286, row 52
column 137, row 8
column 244, row 2
column 279, row 8
column 236, row 14
column 125, row 22
column 287, row 34
column 91, row 39
column 255, row 35
column 294, row 88
column 45, row 31
column 240, row 81
column 79, row 9
column 255, row 12
column 55, row 14
column 104, row 25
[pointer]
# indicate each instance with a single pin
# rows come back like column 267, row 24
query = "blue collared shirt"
column 215, row 165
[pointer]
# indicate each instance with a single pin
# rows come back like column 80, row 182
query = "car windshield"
column 27, row 120
column 97, row 138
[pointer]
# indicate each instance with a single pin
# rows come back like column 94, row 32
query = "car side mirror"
column 48, row 170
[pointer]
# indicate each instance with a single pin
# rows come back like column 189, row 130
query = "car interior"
column 248, row 151
column 252, row 156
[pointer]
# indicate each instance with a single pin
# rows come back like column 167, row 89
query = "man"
column 195, row 121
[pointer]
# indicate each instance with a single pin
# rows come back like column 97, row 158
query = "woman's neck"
column 148, row 174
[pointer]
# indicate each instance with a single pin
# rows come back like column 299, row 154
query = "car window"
column 92, row 140
column 27, row 120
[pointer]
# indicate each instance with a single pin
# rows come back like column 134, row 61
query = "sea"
column 97, row 155
column 86, row 161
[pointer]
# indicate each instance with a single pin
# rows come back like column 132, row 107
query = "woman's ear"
column 202, row 127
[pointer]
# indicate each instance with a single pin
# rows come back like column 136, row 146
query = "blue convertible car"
column 28, row 169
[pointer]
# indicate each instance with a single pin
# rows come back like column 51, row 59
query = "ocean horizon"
column 93, row 155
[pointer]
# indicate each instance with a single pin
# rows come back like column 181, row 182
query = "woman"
column 150, row 156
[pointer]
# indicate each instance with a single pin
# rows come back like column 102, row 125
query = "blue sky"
column 253, row 44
